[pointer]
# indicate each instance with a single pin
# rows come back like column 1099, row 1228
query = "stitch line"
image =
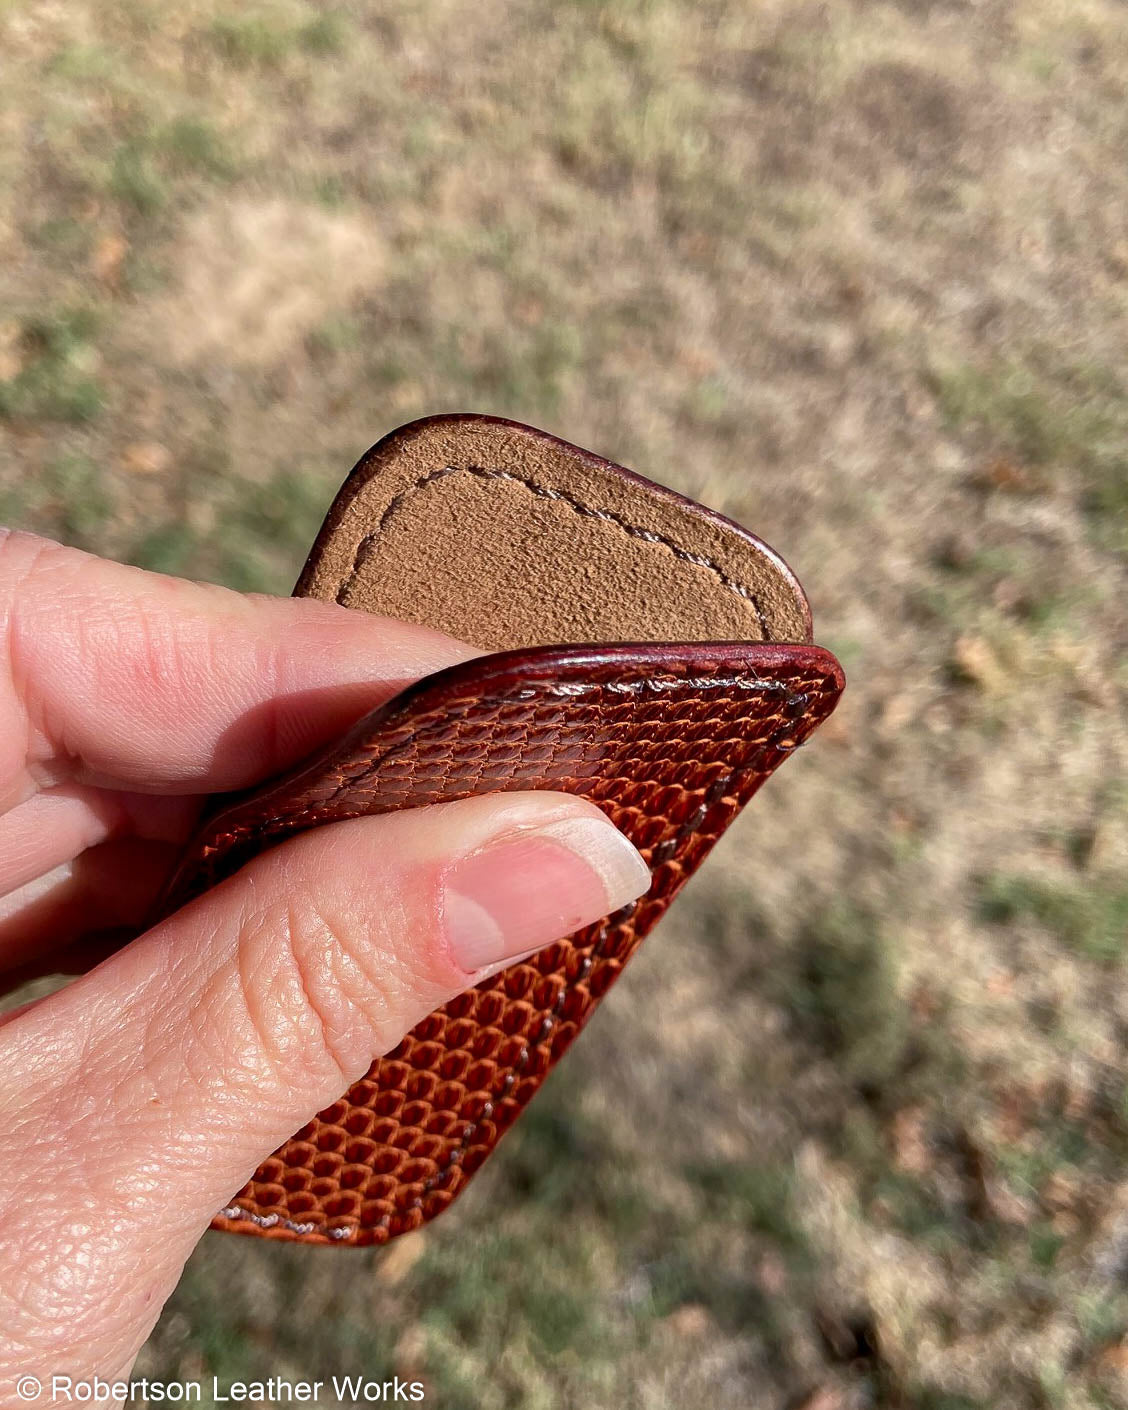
column 670, row 848
column 636, row 531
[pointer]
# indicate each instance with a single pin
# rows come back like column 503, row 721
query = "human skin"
column 135, row 1100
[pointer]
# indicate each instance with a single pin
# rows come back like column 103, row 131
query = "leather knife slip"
column 644, row 652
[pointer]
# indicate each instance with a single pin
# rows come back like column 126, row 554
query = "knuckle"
column 322, row 989
column 24, row 560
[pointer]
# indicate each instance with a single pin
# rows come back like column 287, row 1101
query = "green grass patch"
column 1045, row 1245
column 340, row 333
column 282, row 513
column 193, row 147
column 928, row 1398
column 1102, row 1316
column 1007, row 402
column 963, row 591
column 251, row 39
column 550, row 1298
column 329, row 191
column 912, row 1207
column 136, row 180
column 570, row 1167
column 690, row 1276
column 165, row 548
column 83, row 64
column 1061, row 1144
column 265, row 39
column 83, row 503
column 758, row 1198
column 146, row 168
column 1090, row 917
column 327, row 34
column 1068, row 421
column 262, row 533
column 56, row 381
column 67, row 498
column 63, row 235
column 529, row 374
column 492, row 1314
column 846, row 989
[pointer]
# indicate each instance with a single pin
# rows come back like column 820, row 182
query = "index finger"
column 117, row 676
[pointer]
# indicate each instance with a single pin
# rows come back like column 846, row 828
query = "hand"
column 135, row 1101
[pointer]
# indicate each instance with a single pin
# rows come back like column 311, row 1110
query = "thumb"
column 134, row 1102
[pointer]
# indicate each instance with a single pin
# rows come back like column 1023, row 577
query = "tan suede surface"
column 505, row 537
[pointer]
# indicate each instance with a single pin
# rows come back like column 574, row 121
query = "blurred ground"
column 853, row 1130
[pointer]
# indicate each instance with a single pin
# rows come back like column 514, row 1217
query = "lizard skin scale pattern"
column 670, row 741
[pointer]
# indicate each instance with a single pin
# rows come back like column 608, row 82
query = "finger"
column 143, row 1095
column 155, row 684
column 56, row 825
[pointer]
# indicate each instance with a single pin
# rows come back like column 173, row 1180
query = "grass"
column 1089, row 916
column 759, row 1198
column 848, row 990
column 258, row 530
column 250, row 39
column 852, row 275
column 1063, row 422
column 77, row 486
column 145, row 169
column 55, row 381
column 266, row 39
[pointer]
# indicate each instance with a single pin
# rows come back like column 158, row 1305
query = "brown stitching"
column 716, row 791
column 368, row 542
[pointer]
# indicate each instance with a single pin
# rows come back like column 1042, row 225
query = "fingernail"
column 531, row 888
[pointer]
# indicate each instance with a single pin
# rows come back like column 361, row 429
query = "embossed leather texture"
column 669, row 739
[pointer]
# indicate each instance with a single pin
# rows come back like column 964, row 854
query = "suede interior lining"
column 505, row 537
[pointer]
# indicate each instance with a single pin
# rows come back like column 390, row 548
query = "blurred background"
column 853, row 1130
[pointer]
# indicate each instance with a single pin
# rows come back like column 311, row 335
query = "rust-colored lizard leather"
column 670, row 740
